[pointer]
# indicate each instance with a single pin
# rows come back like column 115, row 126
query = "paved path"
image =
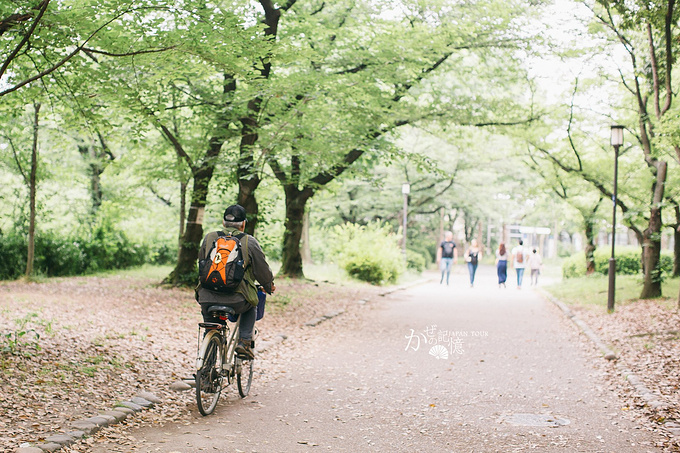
column 363, row 383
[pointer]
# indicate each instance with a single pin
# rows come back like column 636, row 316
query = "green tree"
column 646, row 32
column 356, row 78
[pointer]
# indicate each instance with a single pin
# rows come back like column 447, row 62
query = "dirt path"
column 512, row 375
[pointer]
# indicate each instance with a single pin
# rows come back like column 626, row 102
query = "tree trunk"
column 651, row 246
column 291, row 258
column 248, row 177
column 306, row 248
column 676, row 242
column 182, row 213
column 676, row 250
column 32, row 194
column 97, row 162
column 185, row 273
column 590, row 248
column 95, row 171
column 589, row 224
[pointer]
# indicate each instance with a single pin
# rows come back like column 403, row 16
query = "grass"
column 592, row 291
column 147, row 271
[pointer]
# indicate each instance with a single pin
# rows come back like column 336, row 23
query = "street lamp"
column 616, row 142
column 405, row 189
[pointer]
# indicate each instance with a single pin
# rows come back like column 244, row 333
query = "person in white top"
column 535, row 263
column 519, row 259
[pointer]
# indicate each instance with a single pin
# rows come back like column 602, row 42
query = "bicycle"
column 217, row 360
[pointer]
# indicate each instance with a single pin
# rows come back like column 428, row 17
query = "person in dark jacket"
column 244, row 299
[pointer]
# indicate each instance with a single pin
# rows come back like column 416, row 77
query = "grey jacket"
column 257, row 270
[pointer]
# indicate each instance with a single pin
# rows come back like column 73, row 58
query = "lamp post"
column 616, row 141
column 405, row 189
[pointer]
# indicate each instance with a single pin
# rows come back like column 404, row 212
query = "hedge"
column 628, row 262
column 101, row 249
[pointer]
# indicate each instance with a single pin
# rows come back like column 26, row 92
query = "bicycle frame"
column 227, row 339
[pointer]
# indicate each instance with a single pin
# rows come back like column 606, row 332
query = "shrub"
column 370, row 253
column 415, row 260
column 628, row 262
column 162, row 253
column 13, row 251
column 666, row 263
column 574, row 266
column 101, row 249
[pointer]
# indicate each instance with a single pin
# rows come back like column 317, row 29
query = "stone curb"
column 606, row 351
column 406, row 286
column 316, row 321
column 652, row 401
column 88, row 426
column 265, row 345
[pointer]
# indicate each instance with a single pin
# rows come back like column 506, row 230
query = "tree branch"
column 276, row 168
column 89, row 50
column 16, row 159
column 162, row 199
column 669, row 55
column 571, row 120
column 61, row 62
column 12, row 20
column 27, row 36
column 655, row 70
column 179, row 149
column 598, row 185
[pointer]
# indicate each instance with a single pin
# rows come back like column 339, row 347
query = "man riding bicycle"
column 244, row 298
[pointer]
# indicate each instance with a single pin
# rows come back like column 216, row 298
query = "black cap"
column 235, row 213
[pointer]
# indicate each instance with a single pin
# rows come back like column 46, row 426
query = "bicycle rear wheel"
column 244, row 376
column 208, row 379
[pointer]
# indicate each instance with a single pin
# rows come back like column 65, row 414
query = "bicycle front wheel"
column 244, row 376
column 208, row 379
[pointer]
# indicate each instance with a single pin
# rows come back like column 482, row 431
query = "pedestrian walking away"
column 502, row 264
column 535, row 263
column 447, row 254
column 254, row 268
column 472, row 256
column 519, row 259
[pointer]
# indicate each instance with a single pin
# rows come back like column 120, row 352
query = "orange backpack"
column 224, row 267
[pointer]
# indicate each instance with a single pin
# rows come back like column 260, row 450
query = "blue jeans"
column 446, row 268
column 520, row 275
column 472, row 268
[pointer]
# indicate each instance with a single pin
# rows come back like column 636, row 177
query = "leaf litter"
column 91, row 342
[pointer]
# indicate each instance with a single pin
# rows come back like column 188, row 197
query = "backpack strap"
column 246, row 257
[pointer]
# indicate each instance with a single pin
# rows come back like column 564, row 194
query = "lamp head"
column 617, row 135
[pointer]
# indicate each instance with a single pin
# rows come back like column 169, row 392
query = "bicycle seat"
column 217, row 310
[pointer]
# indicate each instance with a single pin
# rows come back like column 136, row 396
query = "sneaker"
column 244, row 351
